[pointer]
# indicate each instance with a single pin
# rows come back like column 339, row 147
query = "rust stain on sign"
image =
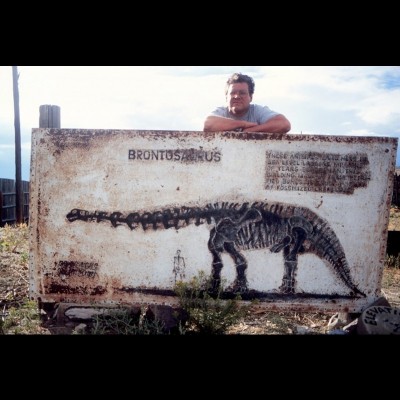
column 293, row 221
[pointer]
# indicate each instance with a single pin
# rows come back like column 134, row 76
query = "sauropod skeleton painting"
column 239, row 227
column 290, row 221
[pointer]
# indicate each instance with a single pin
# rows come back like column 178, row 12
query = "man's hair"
column 238, row 77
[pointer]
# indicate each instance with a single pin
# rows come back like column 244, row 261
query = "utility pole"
column 19, row 196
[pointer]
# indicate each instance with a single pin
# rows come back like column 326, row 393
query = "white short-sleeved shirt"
column 256, row 113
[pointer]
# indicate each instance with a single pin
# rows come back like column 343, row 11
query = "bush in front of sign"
column 124, row 322
column 210, row 315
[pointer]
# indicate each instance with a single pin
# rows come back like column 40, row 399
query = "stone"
column 339, row 320
column 170, row 317
column 379, row 320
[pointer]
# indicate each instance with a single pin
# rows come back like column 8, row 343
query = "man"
column 240, row 115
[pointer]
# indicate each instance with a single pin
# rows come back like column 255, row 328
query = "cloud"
column 382, row 108
column 347, row 100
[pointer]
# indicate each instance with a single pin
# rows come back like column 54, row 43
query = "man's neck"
column 238, row 114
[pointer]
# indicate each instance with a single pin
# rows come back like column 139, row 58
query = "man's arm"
column 277, row 124
column 216, row 124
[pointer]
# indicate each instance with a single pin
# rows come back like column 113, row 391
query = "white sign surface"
column 293, row 221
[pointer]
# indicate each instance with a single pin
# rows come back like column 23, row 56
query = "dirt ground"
column 14, row 286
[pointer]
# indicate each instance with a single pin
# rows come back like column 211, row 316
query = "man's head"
column 239, row 93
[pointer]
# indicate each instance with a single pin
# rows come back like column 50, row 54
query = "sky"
column 327, row 100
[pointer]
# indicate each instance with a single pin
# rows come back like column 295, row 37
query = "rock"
column 351, row 328
column 379, row 320
column 303, row 330
column 79, row 329
column 337, row 332
column 339, row 320
column 170, row 317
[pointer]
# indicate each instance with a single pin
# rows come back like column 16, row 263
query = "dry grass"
column 394, row 220
column 19, row 315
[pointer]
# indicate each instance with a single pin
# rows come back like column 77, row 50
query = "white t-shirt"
column 256, row 113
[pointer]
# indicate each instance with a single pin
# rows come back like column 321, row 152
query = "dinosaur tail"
column 326, row 245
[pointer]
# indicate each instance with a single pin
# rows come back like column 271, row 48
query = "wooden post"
column 49, row 116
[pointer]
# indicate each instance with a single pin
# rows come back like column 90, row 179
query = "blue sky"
column 330, row 100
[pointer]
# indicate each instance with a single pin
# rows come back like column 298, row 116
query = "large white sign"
column 293, row 221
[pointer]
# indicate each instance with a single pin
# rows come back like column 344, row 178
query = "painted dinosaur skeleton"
column 236, row 227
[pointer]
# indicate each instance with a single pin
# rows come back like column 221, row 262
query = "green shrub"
column 124, row 322
column 13, row 236
column 24, row 319
column 208, row 314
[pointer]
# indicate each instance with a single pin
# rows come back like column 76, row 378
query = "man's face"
column 238, row 98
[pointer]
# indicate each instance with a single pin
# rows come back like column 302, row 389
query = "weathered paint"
column 294, row 221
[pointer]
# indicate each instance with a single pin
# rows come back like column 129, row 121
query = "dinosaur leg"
column 288, row 281
column 299, row 235
column 290, row 255
column 215, row 249
column 240, row 283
